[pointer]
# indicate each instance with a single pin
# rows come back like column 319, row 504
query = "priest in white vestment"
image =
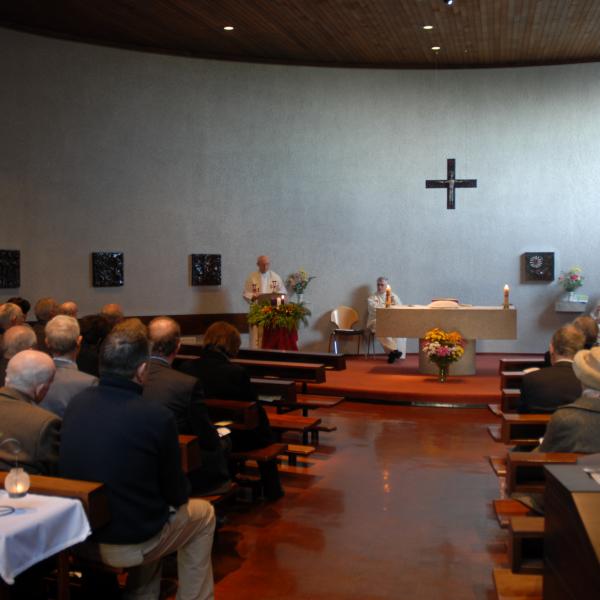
column 395, row 347
column 263, row 281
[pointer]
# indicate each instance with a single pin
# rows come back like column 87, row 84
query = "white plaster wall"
column 161, row 157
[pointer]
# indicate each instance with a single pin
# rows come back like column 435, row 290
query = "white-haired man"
column 63, row 341
column 395, row 348
column 263, row 281
column 28, row 377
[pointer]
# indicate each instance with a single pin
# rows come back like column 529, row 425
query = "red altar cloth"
column 280, row 338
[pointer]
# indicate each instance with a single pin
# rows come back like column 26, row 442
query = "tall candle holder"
column 506, row 303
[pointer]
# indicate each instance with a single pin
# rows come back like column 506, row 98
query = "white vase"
column 299, row 298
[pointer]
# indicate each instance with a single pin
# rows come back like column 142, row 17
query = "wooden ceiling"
column 355, row 33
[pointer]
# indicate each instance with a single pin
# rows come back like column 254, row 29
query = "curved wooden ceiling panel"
column 356, row 33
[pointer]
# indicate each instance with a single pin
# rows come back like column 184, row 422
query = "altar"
column 472, row 322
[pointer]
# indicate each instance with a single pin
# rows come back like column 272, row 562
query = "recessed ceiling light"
column 228, row 28
column 436, row 48
column 427, row 26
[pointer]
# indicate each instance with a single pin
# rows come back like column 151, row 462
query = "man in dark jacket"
column 111, row 434
column 182, row 394
column 543, row 391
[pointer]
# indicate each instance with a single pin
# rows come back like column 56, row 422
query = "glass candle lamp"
column 17, row 482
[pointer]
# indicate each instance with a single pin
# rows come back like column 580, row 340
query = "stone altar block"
column 472, row 322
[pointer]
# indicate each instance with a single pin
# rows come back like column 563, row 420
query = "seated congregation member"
column 45, row 309
column 589, row 328
column 395, row 348
column 113, row 313
column 114, row 435
column 221, row 378
column 68, row 308
column 63, row 340
column 28, row 376
column 93, row 328
column 544, row 390
column 16, row 339
column 576, row 427
column 183, row 396
column 22, row 303
column 10, row 315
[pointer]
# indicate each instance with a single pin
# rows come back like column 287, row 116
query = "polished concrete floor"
column 396, row 505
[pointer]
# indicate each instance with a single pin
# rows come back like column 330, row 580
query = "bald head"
column 16, row 339
column 113, row 313
column 31, row 372
column 10, row 315
column 165, row 335
column 263, row 263
column 68, row 308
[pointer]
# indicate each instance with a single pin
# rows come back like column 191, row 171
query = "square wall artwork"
column 538, row 266
column 10, row 269
column 107, row 269
column 206, row 269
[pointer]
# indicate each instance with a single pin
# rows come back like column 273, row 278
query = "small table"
column 39, row 527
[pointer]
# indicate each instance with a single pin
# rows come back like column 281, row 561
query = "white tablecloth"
column 40, row 527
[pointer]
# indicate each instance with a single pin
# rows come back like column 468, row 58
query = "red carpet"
column 375, row 379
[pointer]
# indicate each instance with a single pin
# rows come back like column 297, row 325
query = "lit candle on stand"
column 388, row 296
column 506, row 292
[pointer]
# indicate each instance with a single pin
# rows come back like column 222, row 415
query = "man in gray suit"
column 28, row 377
column 576, row 427
column 63, row 341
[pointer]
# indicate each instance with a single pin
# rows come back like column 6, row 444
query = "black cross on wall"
column 451, row 183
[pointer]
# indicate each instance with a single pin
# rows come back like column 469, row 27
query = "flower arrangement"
column 572, row 279
column 284, row 315
column 298, row 281
column 442, row 347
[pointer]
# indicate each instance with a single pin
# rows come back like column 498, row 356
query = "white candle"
column 506, row 292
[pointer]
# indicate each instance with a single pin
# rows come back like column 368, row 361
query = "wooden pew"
column 510, row 398
column 525, row 470
column 282, row 394
column 518, row 364
column 511, row 380
column 302, row 372
column 92, row 495
column 526, row 544
column 506, row 508
column 513, row 586
column 520, row 430
column 242, row 414
column 509, row 402
column 282, row 423
column 331, row 360
column 260, row 455
column 189, row 450
column 283, row 389
column 198, row 323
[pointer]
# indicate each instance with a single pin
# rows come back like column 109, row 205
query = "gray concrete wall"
column 161, row 157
